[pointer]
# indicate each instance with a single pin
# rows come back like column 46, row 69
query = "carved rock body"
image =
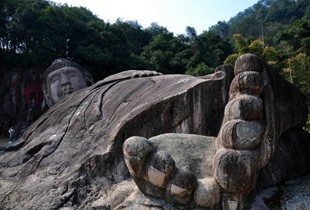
column 262, row 106
column 72, row 155
column 253, row 122
column 75, row 147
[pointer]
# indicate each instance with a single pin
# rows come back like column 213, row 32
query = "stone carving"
column 28, row 95
column 72, row 155
column 245, row 143
column 62, row 78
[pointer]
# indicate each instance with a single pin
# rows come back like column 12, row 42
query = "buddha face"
column 62, row 82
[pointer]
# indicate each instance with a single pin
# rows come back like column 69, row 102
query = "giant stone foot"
column 261, row 107
column 253, row 122
column 180, row 174
column 155, row 172
column 236, row 163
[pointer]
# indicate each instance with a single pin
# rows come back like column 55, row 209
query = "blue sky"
column 175, row 15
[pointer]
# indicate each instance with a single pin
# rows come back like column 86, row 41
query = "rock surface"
column 290, row 160
column 293, row 194
column 73, row 151
column 257, row 113
column 296, row 194
column 71, row 157
column 21, row 100
column 193, row 152
column 261, row 107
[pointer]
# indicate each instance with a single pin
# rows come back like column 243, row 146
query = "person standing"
column 11, row 134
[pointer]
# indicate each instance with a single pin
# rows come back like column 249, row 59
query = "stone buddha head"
column 62, row 78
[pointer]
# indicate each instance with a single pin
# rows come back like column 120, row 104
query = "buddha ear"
column 46, row 95
column 89, row 79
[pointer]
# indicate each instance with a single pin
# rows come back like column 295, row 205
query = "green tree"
column 191, row 33
column 135, row 36
column 256, row 47
column 231, row 59
column 209, row 48
column 166, row 53
column 270, row 55
column 222, row 28
column 240, row 44
column 296, row 35
column 201, row 70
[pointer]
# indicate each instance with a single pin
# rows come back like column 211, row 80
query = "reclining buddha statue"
column 142, row 140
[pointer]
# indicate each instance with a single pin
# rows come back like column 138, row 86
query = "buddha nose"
column 64, row 79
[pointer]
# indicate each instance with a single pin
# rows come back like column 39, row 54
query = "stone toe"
column 136, row 152
column 248, row 62
column 160, row 169
column 236, row 170
column 181, row 187
column 241, row 135
column 245, row 107
column 207, row 193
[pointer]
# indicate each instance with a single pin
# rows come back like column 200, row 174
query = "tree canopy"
column 35, row 32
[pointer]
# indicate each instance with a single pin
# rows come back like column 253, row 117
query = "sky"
column 175, row 15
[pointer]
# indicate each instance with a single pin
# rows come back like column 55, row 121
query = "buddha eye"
column 73, row 75
column 54, row 79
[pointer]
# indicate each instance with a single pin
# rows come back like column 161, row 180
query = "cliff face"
column 21, row 100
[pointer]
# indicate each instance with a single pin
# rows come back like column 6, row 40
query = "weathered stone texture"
column 80, row 139
column 71, row 157
column 290, row 160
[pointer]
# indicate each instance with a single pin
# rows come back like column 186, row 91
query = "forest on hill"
column 35, row 32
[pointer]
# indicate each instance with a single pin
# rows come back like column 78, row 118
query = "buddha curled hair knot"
column 64, row 64
column 61, row 63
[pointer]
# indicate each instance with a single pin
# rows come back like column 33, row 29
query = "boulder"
column 73, row 152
